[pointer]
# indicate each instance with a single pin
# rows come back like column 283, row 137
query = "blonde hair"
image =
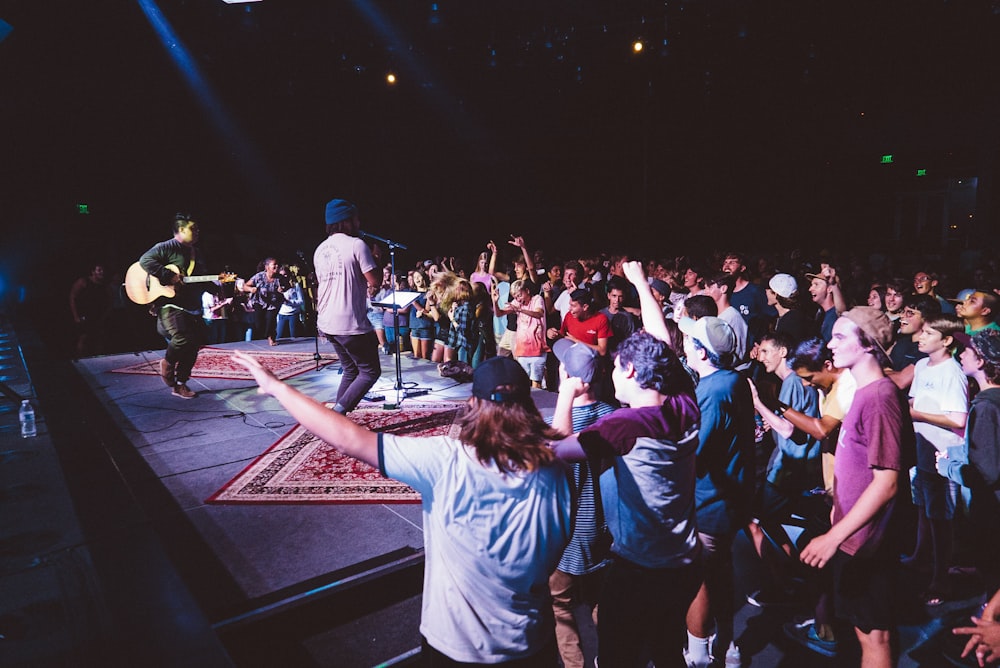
column 449, row 288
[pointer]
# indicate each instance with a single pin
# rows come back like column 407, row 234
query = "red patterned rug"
column 218, row 363
column 301, row 468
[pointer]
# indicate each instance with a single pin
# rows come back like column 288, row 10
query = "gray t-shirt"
column 341, row 298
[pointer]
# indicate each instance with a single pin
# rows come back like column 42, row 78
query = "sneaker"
column 804, row 633
column 705, row 663
column 697, row 664
column 773, row 597
column 183, row 391
column 167, row 372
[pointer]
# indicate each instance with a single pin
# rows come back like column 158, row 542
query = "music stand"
column 397, row 300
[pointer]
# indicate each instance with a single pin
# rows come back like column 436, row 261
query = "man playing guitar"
column 178, row 317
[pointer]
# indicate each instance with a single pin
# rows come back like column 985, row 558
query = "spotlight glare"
column 390, row 78
column 637, row 46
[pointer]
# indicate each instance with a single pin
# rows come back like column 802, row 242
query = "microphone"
column 387, row 242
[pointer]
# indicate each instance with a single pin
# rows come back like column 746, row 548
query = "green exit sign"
column 887, row 159
column 921, row 172
column 83, row 209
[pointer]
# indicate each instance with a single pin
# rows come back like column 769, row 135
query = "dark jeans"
column 215, row 331
column 288, row 325
column 641, row 614
column 185, row 334
column 358, row 355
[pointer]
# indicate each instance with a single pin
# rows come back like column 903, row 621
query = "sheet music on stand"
column 403, row 299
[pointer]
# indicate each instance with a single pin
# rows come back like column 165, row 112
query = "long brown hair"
column 511, row 434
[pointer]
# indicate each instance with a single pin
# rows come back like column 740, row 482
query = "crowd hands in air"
column 778, row 324
column 774, row 351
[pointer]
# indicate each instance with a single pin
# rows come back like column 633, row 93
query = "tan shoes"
column 183, row 391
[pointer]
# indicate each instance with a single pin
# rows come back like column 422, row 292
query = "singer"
column 347, row 275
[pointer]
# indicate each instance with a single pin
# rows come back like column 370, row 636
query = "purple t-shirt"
column 876, row 433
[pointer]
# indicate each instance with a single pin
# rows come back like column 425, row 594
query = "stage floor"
column 194, row 447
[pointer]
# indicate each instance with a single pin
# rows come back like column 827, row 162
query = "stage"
column 267, row 556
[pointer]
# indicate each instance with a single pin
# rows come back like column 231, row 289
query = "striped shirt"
column 579, row 557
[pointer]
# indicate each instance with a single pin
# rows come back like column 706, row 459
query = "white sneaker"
column 704, row 663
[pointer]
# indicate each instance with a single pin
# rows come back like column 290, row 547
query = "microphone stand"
column 309, row 302
column 401, row 391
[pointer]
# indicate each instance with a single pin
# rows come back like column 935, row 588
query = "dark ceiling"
column 516, row 116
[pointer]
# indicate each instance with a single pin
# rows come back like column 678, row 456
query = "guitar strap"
column 190, row 268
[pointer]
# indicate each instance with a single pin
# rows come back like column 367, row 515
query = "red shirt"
column 588, row 331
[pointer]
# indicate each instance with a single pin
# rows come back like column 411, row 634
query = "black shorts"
column 863, row 591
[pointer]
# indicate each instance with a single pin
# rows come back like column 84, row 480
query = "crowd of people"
column 697, row 399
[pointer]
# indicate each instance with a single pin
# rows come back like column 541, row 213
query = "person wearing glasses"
column 926, row 283
column 905, row 351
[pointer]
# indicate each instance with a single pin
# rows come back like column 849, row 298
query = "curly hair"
column 986, row 345
column 656, row 365
column 512, row 434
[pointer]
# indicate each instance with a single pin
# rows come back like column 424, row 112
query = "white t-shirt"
column 208, row 300
column 562, row 304
column 491, row 541
column 341, row 297
column 939, row 389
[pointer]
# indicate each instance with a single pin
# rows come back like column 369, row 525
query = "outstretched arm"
column 339, row 431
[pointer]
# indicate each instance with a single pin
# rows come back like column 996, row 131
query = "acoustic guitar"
column 143, row 288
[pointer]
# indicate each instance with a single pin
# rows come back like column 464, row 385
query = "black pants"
column 265, row 323
column 185, row 334
column 358, row 355
column 643, row 610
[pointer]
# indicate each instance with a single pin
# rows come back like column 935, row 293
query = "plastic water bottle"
column 27, row 415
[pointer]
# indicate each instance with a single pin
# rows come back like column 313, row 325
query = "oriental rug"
column 217, row 363
column 300, row 468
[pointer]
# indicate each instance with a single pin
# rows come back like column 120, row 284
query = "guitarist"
column 178, row 318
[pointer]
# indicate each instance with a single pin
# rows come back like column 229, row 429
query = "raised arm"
column 780, row 426
column 830, row 273
column 529, row 264
column 652, row 315
column 337, row 430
